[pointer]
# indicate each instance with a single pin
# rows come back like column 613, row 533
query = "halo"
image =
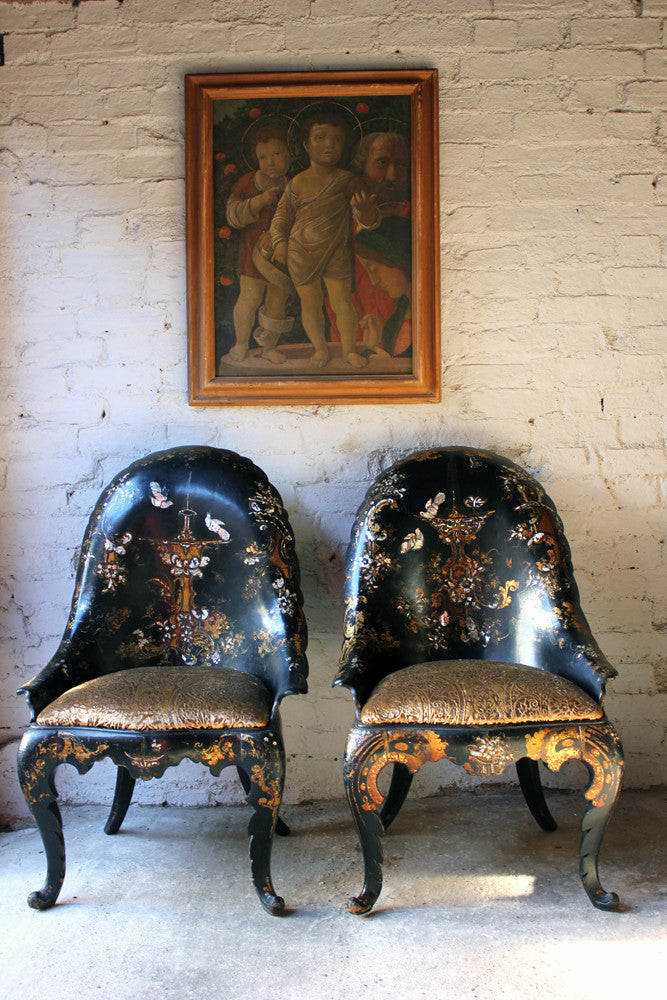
column 295, row 146
column 247, row 139
column 385, row 123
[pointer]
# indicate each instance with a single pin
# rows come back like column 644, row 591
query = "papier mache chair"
column 185, row 633
column 464, row 640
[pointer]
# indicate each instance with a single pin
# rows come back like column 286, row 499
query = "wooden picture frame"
column 312, row 215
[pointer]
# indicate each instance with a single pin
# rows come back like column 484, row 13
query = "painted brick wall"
column 553, row 122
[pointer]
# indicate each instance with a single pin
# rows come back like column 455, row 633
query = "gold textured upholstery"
column 475, row 693
column 164, row 698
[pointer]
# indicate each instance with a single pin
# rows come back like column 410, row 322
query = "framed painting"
column 312, row 238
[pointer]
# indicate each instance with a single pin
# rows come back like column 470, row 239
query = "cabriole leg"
column 265, row 793
column 603, row 756
column 364, row 758
column 531, row 786
column 121, row 800
column 37, row 761
column 282, row 828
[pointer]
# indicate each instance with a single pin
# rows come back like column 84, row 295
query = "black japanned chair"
column 185, row 633
column 464, row 639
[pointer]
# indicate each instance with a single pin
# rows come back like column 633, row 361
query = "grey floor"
column 477, row 903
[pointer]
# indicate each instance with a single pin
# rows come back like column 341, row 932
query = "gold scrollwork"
column 70, row 746
column 431, row 747
column 65, row 746
column 217, row 753
column 598, row 746
column 271, row 789
column 554, row 746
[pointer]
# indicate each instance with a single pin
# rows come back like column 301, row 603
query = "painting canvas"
column 312, row 223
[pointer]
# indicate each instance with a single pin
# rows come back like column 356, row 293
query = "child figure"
column 311, row 232
column 250, row 208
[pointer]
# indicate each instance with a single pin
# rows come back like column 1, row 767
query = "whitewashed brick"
column 656, row 63
column 630, row 124
column 578, row 280
column 108, row 41
column 117, row 75
column 508, row 66
column 340, row 8
column 616, row 32
column 647, row 94
column 635, row 281
column 542, row 33
column 496, row 35
column 595, row 95
column 182, row 39
column 258, row 38
column 580, row 62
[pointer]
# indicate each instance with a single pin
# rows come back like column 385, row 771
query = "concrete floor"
column 478, row 903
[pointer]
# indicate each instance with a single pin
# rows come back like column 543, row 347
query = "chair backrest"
column 460, row 554
column 188, row 559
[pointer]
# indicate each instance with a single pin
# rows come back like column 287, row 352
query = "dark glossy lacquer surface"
column 188, row 561
column 458, row 554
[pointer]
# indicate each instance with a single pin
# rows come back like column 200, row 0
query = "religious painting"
column 312, row 238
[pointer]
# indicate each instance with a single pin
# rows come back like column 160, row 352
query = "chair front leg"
column 282, row 828
column 37, row 761
column 603, row 756
column 262, row 759
column 365, row 756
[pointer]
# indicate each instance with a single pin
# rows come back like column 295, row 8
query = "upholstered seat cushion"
column 476, row 692
column 164, row 698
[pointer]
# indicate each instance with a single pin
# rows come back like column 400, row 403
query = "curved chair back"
column 460, row 554
column 189, row 559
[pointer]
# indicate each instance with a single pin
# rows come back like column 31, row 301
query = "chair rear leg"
column 37, row 761
column 282, row 828
column 121, row 801
column 531, row 786
column 401, row 779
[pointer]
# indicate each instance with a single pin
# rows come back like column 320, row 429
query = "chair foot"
column 40, row 900
column 275, row 905
column 362, row 904
column 605, row 901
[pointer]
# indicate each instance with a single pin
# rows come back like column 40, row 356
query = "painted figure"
column 311, row 232
column 383, row 160
column 250, row 208
column 386, row 257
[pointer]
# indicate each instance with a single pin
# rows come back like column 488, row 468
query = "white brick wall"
column 554, row 243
